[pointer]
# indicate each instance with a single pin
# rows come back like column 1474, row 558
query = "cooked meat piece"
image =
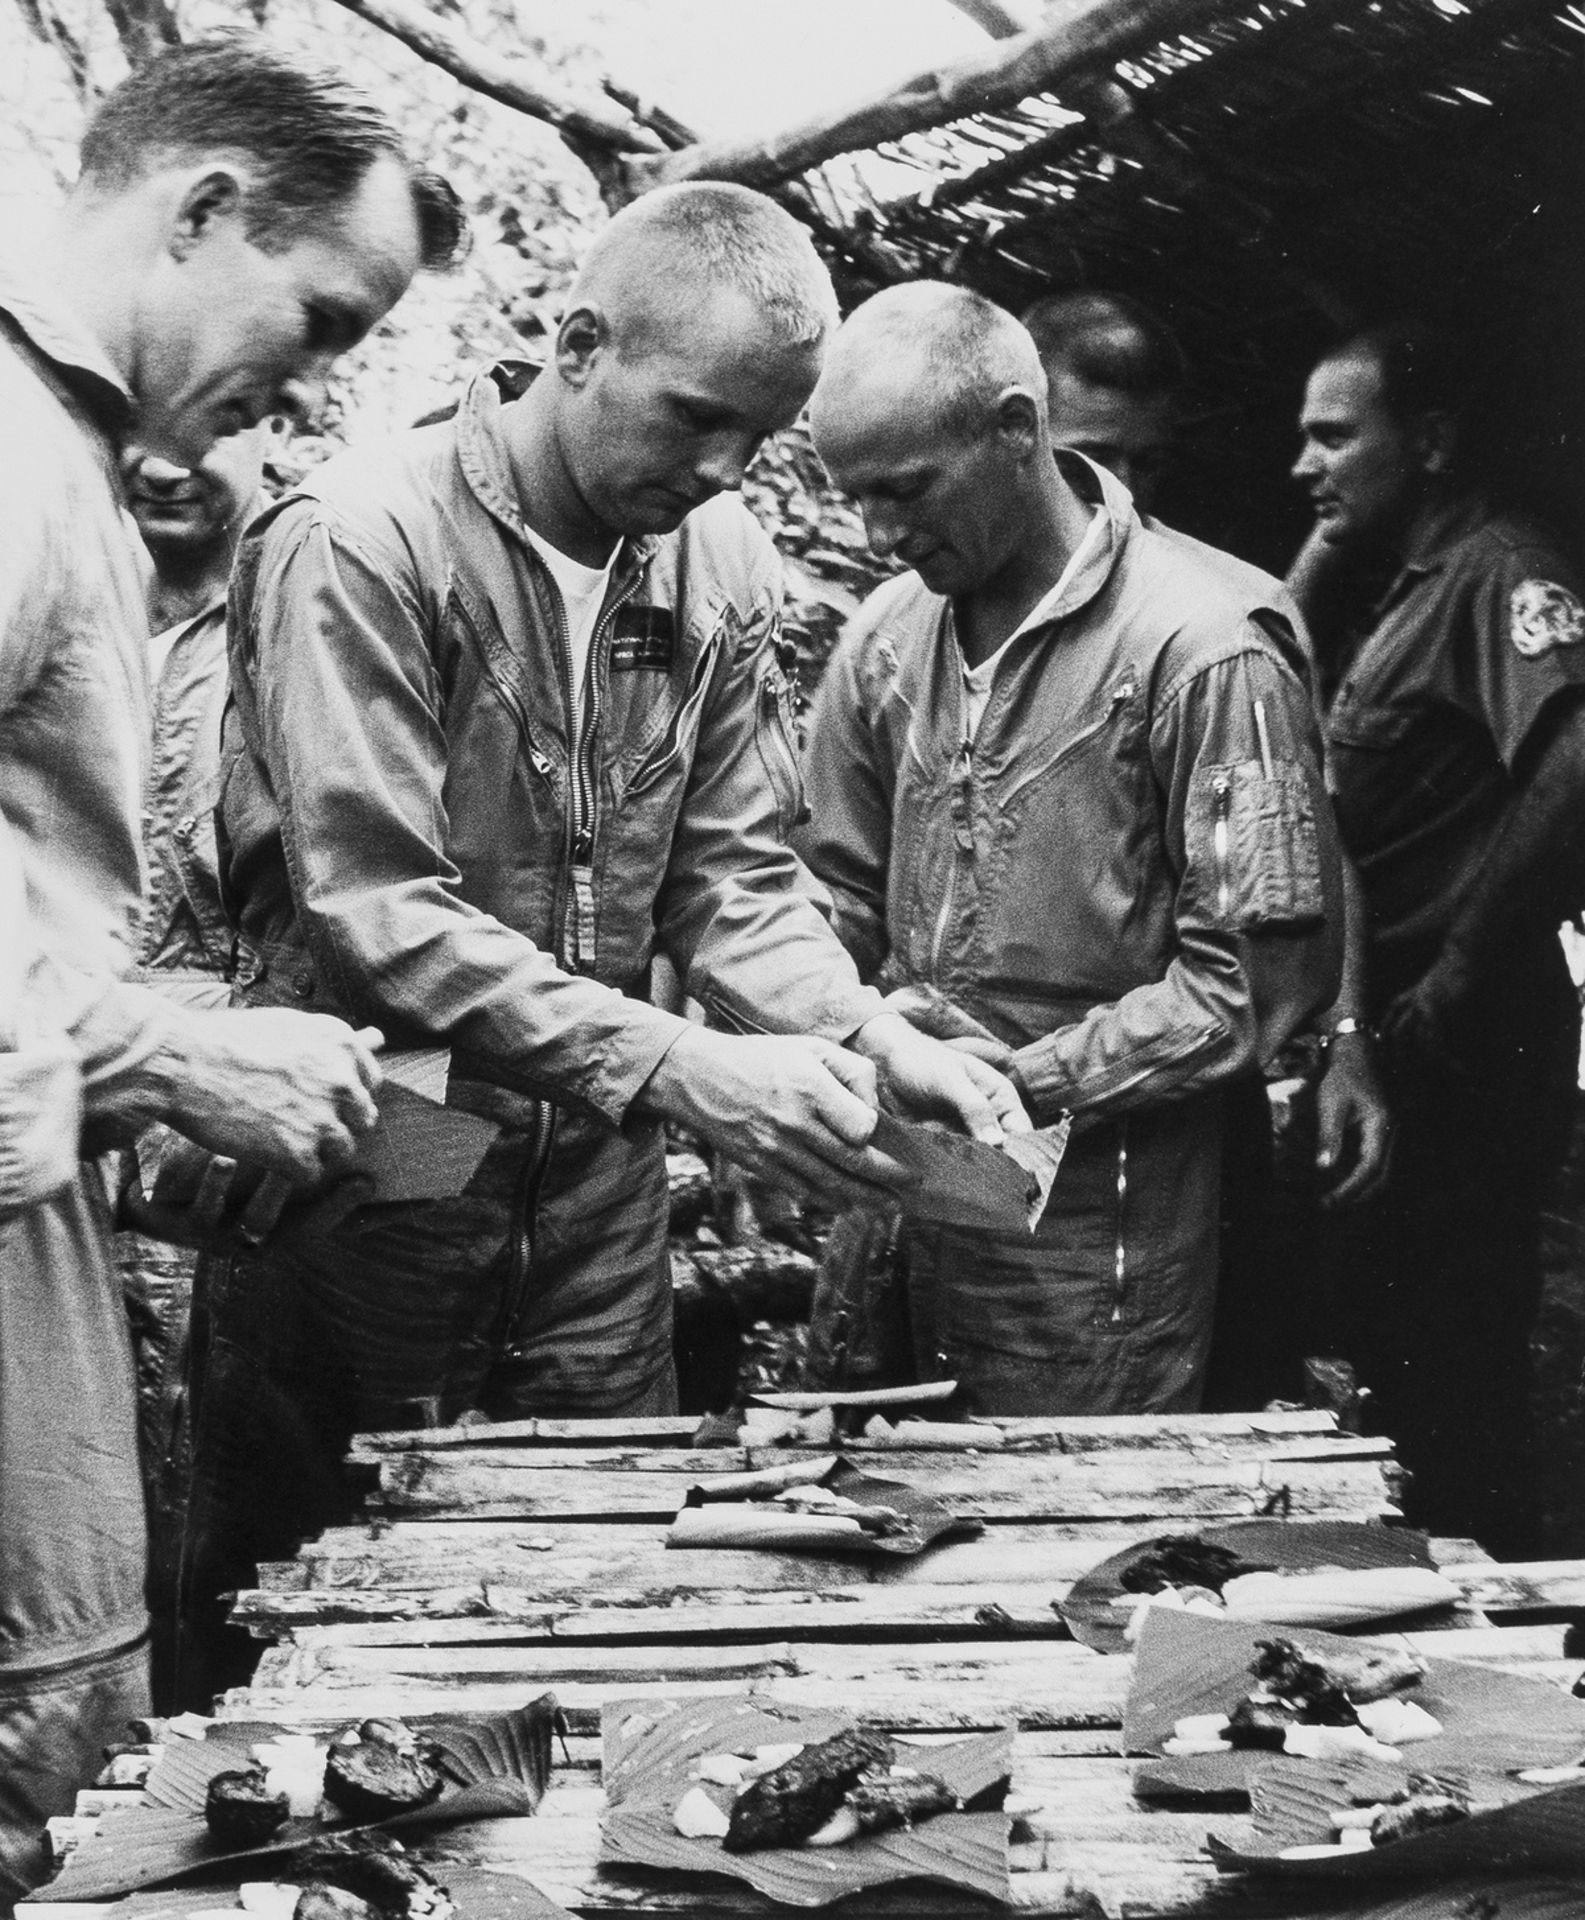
column 1298, row 1675
column 1185, row 1560
column 242, row 1811
column 783, row 1807
column 318, row 1902
column 1261, row 1723
column 371, row 1780
column 372, row 1866
column 1319, row 1681
column 1419, row 1813
column 893, row 1802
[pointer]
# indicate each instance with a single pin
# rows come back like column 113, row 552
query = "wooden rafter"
column 587, row 121
column 1074, row 37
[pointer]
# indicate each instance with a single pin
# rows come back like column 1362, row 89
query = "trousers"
column 543, row 1290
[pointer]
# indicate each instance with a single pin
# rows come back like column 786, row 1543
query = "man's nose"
column 725, row 462
column 882, row 529
column 302, row 396
column 1307, row 465
column 161, row 476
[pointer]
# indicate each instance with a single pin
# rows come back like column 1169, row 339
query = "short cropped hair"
column 1107, row 340
column 729, row 236
column 1422, row 368
column 967, row 350
column 307, row 135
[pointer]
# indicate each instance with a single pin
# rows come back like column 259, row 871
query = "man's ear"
column 583, row 333
column 1438, row 442
column 1018, row 417
column 208, row 201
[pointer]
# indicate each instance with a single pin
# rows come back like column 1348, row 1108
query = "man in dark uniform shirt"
column 1457, row 741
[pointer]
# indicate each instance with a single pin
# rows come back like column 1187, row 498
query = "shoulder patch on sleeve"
column 1543, row 615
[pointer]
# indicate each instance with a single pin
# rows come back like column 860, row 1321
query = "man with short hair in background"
column 240, row 218
column 1115, row 377
column 1065, row 792
column 1457, row 748
column 190, row 519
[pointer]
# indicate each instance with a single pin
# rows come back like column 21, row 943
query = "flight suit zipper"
column 1221, row 810
column 577, row 940
column 541, row 1134
column 961, row 802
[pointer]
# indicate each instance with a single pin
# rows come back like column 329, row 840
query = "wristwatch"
column 1348, row 1024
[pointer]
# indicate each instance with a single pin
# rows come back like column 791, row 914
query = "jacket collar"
column 1102, row 547
column 487, row 466
column 78, row 361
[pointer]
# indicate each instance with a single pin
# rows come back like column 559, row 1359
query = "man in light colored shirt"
column 150, row 307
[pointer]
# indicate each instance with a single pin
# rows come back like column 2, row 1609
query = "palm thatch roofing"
column 1279, row 172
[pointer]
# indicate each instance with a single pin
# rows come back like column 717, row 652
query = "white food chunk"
column 722, row 1769
column 1397, row 1722
column 1200, row 1726
column 767, row 1759
column 698, row 1817
column 1357, row 1819
column 1335, row 1743
column 843, row 1825
column 269, row 1899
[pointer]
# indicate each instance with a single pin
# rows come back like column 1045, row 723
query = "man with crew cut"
column 1060, row 782
column 510, row 716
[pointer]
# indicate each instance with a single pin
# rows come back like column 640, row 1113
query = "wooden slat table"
column 500, row 1561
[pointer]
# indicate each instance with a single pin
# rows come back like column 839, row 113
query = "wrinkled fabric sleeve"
column 121, row 1033
column 1258, row 904
column 340, row 698
column 847, row 838
column 738, row 910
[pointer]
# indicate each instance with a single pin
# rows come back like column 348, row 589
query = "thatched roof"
column 1276, row 173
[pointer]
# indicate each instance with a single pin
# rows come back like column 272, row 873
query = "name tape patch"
column 1543, row 615
column 643, row 640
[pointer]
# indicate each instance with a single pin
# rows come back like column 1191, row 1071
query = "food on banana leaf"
column 1185, row 1560
column 242, row 1810
column 319, row 1902
column 375, row 1868
column 1261, row 1723
column 1320, row 1705
column 1328, row 1686
column 784, row 1807
column 899, row 1800
column 1424, row 1803
column 380, row 1770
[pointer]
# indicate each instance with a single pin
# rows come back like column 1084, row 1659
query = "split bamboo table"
column 497, row 1562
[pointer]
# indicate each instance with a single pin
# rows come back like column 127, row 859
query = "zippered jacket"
column 1132, row 876
column 411, row 834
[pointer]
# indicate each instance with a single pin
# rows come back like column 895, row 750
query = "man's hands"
column 797, row 1112
column 923, row 1076
column 1354, row 1126
column 800, row 1112
column 290, row 1092
column 267, row 1104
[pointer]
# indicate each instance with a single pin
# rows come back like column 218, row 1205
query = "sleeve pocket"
column 1255, row 847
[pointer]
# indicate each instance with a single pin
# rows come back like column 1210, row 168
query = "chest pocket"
column 1071, row 893
column 1254, row 860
